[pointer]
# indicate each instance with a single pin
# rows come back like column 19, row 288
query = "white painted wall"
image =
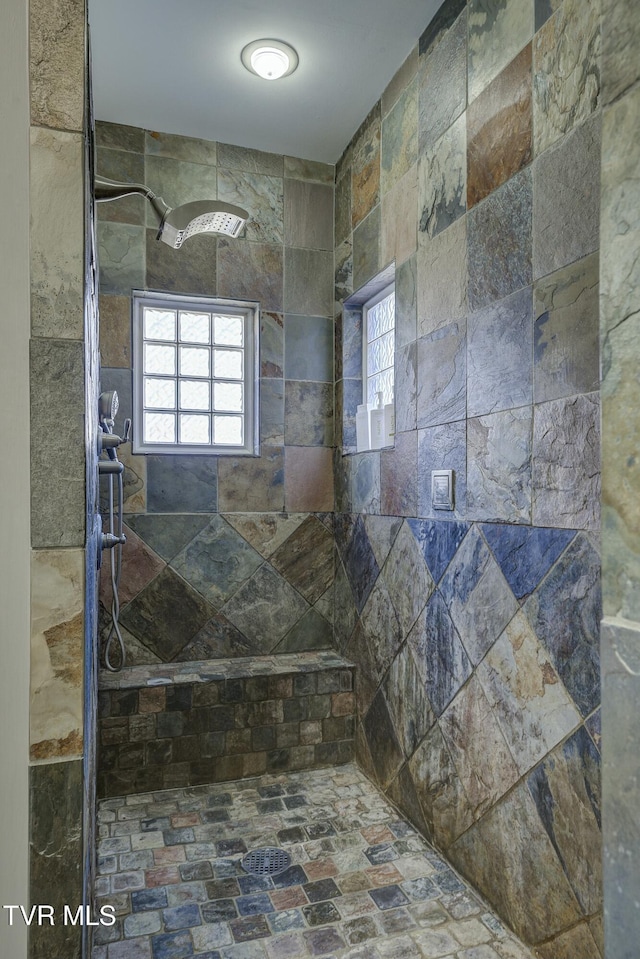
column 14, row 469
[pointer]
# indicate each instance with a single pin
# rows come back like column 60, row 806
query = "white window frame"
column 211, row 304
column 381, row 295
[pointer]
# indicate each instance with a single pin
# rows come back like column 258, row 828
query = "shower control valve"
column 109, row 540
column 109, row 441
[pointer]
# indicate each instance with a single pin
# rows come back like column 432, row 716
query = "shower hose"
column 115, row 561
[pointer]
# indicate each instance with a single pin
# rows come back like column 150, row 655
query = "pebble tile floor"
column 363, row 883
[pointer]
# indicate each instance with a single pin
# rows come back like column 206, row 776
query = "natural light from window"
column 194, row 375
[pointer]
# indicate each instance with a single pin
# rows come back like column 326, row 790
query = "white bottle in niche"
column 389, row 424
column 363, row 436
column 376, row 416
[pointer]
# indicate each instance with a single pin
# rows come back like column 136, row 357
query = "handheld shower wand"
column 115, row 539
column 178, row 224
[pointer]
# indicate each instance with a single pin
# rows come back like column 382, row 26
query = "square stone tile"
column 196, row 271
column 406, row 302
column 398, row 476
column 499, row 129
column 252, row 927
column 566, row 207
column 204, row 561
column 496, row 35
column 566, row 462
column 56, row 373
column 443, row 447
column 252, row 484
column 308, row 282
column 388, row 897
column 618, row 42
column 251, row 271
column 499, row 466
column 566, row 331
column 320, row 890
column 309, row 478
column 365, row 483
column 400, row 221
column 121, row 249
column 321, row 913
column 57, row 68
column 309, row 348
column 366, row 248
column 364, row 180
column 442, row 180
column 284, row 921
column 499, row 242
column 362, row 929
column 56, row 234
column 525, row 554
column 442, row 278
column 271, row 344
column 308, row 214
column 442, row 378
column 323, row 941
column 179, row 484
column 305, row 559
column 500, row 355
column 167, row 614
column 399, row 150
column 562, row 99
column 442, row 74
column 261, row 194
column 308, row 412
column 406, row 563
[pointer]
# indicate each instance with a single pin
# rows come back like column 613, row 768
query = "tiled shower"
column 474, row 635
column 473, row 639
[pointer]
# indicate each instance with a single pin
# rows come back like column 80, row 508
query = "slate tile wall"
column 620, row 337
column 199, row 586
column 202, row 574
column 475, row 632
column 63, row 363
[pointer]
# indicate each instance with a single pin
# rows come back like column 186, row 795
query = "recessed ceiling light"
column 270, row 59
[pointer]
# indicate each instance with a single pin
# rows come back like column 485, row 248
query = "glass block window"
column 379, row 326
column 195, row 375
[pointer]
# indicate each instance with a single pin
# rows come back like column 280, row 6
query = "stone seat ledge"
column 211, row 670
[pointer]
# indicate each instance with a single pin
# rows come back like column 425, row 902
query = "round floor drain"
column 266, row 862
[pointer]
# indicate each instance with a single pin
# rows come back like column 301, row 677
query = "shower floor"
column 363, row 884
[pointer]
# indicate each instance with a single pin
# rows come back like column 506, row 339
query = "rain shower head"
column 178, row 224
column 201, row 216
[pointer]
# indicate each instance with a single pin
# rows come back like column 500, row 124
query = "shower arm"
column 113, row 190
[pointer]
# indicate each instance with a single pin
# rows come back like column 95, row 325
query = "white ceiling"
column 174, row 66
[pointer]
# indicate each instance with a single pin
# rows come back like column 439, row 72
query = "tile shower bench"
column 186, row 724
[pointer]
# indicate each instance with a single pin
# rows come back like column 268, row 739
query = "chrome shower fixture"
column 181, row 222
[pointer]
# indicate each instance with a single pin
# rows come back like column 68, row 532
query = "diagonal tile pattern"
column 363, row 883
column 292, row 559
column 217, row 562
column 487, row 701
column 212, row 585
column 438, row 543
column 525, row 554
